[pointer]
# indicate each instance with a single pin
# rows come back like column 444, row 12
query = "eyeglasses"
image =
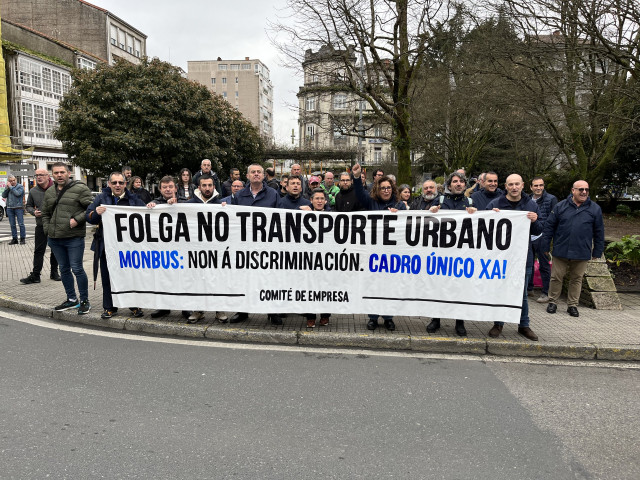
column 117, row 183
column 386, row 188
column 582, row 189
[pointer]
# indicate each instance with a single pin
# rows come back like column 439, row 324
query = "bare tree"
column 388, row 39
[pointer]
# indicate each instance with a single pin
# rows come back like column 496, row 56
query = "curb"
column 372, row 341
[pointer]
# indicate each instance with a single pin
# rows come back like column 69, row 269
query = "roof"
column 114, row 16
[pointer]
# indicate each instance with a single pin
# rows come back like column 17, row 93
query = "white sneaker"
column 542, row 298
column 195, row 316
column 221, row 317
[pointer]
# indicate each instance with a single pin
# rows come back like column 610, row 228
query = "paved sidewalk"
column 596, row 334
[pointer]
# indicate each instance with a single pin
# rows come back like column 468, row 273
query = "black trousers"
column 38, row 253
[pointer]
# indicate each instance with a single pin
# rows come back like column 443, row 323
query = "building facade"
column 245, row 84
column 333, row 118
column 79, row 23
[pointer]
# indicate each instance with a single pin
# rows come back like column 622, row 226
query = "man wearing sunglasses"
column 115, row 194
column 577, row 230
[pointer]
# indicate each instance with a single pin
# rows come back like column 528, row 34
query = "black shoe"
column 84, row 307
column 372, row 324
column 31, row 278
column 275, row 319
column 136, row 312
column 14, row 241
column 67, row 305
column 389, row 325
column 55, row 276
column 159, row 313
column 22, row 241
column 108, row 313
column 186, row 314
column 551, row 308
column 238, row 317
column 434, row 325
column 460, row 330
column 573, row 311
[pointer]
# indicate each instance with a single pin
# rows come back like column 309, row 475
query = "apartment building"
column 82, row 24
column 331, row 117
column 245, row 84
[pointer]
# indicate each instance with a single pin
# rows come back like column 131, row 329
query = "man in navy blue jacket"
column 545, row 202
column 115, row 194
column 577, row 230
column 257, row 194
column 514, row 199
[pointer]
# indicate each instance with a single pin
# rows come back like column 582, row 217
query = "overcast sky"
column 178, row 31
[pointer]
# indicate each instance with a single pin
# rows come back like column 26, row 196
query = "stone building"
column 332, row 117
column 79, row 23
column 245, row 84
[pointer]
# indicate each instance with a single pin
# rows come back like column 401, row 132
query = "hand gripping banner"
column 449, row 264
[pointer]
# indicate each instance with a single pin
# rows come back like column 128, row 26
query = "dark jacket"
column 526, row 204
column 449, row 201
column 274, row 183
column 545, row 204
column 107, row 198
column 371, row 203
column 291, row 203
column 422, row 203
column 266, row 197
column 36, row 197
column 160, row 200
column 346, row 201
column 482, row 198
column 142, row 193
column 197, row 198
column 577, row 232
column 191, row 189
column 226, row 187
column 216, row 180
column 58, row 210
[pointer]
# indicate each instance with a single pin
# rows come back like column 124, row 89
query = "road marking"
column 52, row 325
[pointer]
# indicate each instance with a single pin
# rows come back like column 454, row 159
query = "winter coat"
column 58, row 210
column 422, row 203
column 449, row 201
column 36, row 197
column 346, row 201
column 142, row 193
column 266, row 197
column 371, row 203
column 545, row 204
column 106, row 198
column 482, row 198
column 577, row 231
column 291, row 203
column 526, row 204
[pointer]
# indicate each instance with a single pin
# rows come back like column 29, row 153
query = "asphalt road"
column 81, row 403
column 5, row 227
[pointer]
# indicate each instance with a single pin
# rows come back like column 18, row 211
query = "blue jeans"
column 524, row 314
column 69, row 253
column 12, row 215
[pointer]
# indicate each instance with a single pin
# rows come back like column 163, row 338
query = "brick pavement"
column 602, row 328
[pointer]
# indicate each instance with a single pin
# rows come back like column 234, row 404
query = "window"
column 38, row 121
column 122, row 38
column 46, row 79
column 114, row 34
column 130, row 44
column 310, row 104
column 57, row 82
column 86, row 64
column 377, row 131
column 338, row 134
column 222, row 66
column 377, row 154
column 256, row 67
column 235, row 66
column 224, row 94
column 236, row 80
column 27, row 117
column 138, row 47
column 310, row 132
column 236, row 94
column 340, row 101
column 246, row 66
column 224, row 80
column 213, row 81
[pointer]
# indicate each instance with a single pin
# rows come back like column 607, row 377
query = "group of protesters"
column 63, row 207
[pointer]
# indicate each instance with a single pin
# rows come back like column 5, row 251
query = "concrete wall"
column 68, row 20
column 35, row 43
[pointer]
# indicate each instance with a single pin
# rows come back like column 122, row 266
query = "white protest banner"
column 208, row 257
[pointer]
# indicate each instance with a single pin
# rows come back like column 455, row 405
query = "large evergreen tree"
column 150, row 117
